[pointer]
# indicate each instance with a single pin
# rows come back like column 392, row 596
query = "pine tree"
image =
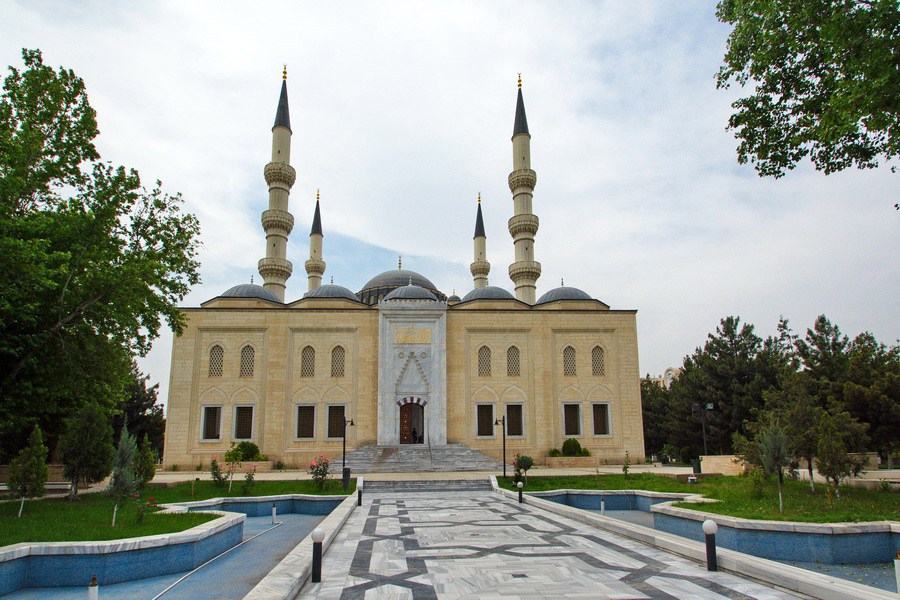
column 123, row 483
column 145, row 463
column 86, row 449
column 28, row 472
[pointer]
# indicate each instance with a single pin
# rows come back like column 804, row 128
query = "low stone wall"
column 725, row 464
column 557, row 462
column 55, row 473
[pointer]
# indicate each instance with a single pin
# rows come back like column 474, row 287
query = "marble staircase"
column 411, row 458
column 440, row 485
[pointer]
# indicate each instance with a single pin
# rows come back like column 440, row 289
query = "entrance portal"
column 412, row 424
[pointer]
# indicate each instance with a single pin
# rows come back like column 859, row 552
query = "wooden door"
column 406, row 424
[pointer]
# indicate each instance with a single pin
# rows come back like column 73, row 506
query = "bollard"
column 709, row 528
column 519, row 485
column 345, row 478
column 273, row 514
column 602, row 506
column 359, row 497
column 93, row 589
column 318, row 536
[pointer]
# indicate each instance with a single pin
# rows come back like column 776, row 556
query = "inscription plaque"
column 412, row 335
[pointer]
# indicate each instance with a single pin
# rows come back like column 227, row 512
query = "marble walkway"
column 455, row 546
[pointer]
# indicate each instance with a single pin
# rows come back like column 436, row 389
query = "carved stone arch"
column 237, row 397
column 485, row 394
column 571, row 393
column 336, row 395
column 307, row 395
column 600, row 393
column 412, row 372
column 212, row 395
column 216, row 342
column 514, row 394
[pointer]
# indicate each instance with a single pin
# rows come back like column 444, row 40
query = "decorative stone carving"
column 522, row 178
column 277, row 172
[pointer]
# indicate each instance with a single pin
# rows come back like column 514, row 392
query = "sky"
column 402, row 113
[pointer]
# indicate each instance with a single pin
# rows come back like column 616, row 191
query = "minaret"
column 481, row 267
column 277, row 222
column 315, row 266
column 524, row 224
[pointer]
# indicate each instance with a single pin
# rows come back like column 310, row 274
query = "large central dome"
column 383, row 284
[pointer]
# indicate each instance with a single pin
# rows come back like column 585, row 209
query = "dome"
column 410, row 292
column 250, row 290
column 383, row 284
column 563, row 293
column 453, row 298
column 488, row 292
column 331, row 290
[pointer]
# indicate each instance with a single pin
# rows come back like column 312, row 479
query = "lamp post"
column 502, row 422
column 345, row 470
column 702, row 409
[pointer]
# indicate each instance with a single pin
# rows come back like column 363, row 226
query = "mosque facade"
column 400, row 359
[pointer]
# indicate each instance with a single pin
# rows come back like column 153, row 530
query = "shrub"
column 585, row 452
column 521, row 464
column 86, row 448
column 123, row 483
column 278, row 466
column 215, row 471
column 173, row 468
column 232, row 463
column 626, row 464
column 28, row 471
column 318, row 468
column 554, row 452
column 249, row 481
column 758, row 478
column 571, row 447
column 145, row 463
column 248, row 451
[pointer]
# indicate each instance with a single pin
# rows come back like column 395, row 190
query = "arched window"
column 569, row 361
column 598, row 361
column 248, row 355
column 308, row 362
column 337, row 361
column 484, row 362
column 512, row 362
column 216, row 359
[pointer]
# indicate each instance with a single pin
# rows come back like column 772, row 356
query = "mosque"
column 400, row 359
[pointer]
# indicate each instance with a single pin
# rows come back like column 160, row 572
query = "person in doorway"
column 415, row 438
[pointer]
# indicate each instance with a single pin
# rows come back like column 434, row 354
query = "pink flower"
column 312, row 464
column 151, row 498
column 137, row 496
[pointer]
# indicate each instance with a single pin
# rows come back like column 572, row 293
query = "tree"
column 145, row 463
column 91, row 262
column 655, row 410
column 140, row 412
column 86, row 448
column 837, row 431
column 773, row 450
column 28, row 472
column 826, row 78
column 123, row 483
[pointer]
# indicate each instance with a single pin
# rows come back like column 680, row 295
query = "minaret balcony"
column 480, row 268
column 277, row 219
column 315, row 267
column 527, row 270
column 522, row 178
column 523, row 224
column 278, row 172
column 275, row 268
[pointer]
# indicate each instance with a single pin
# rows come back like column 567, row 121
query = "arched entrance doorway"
column 412, row 420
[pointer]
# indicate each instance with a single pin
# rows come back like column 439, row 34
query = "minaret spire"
column 277, row 222
column 525, row 271
column 315, row 266
column 480, row 267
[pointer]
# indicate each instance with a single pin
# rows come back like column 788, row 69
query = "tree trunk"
column 812, row 483
column 21, row 506
column 73, row 491
column 115, row 510
column 780, row 501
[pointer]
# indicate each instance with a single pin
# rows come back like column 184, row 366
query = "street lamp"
column 502, row 422
column 702, row 408
column 345, row 470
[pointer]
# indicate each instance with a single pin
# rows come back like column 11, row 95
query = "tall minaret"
column 481, row 267
column 524, row 224
column 315, row 266
column 277, row 222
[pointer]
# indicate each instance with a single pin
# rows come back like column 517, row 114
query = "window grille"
column 598, row 360
column 569, row 361
column 601, row 419
column 484, row 362
column 216, row 359
column 212, row 419
column 336, row 421
column 306, row 422
column 514, row 421
column 243, row 422
column 572, row 419
column 308, row 362
column 337, row 361
column 485, row 425
column 248, row 354
column 512, row 362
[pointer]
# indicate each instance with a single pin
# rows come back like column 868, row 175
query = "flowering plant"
column 249, row 480
column 318, row 468
column 215, row 471
column 142, row 508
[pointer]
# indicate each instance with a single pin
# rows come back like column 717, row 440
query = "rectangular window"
column 212, row 421
column 571, row 419
column 336, row 421
column 243, row 422
column 306, row 422
column 485, row 420
column 601, row 419
column 515, row 425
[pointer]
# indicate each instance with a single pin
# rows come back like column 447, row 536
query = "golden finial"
column 520, row 81
column 400, row 262
column 317, row 194
column 284, row 75
column 479, row 197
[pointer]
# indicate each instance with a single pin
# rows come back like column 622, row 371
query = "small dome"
column 488, row 292
column 410, row 292
column 384, row 283
column 453, row 298
column 250, row 290
column 331, row 290
column 563, row 293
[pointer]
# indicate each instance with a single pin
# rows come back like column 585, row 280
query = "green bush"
column 248, row 451
column 571, row 447
column 521, row 464
column 554, row 452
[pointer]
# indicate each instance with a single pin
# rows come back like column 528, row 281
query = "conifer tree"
column 28, row 472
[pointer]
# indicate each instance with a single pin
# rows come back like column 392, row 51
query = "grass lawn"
column 735, row 493
column 89, row 517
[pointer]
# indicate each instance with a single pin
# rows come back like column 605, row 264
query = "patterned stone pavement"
column 455, row 546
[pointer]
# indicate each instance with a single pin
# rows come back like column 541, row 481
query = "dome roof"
column 488, row 292
column 250, row 290
column 331, row 290
column 563, row 293
column 383, row 284
column 410, row 292
column 453, row 298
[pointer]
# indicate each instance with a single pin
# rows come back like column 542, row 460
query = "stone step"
column 409, row 486
column 412, row 458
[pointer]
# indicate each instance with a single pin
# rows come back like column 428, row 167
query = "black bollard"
column 318, row 536
column 521, row 499
column 346, row 478
column 359, row 497
column 709, row 528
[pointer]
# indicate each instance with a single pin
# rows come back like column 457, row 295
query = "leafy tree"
column 655, row 410
column 140, row 411
column 91, row 262
column 86, row 448
column 837, row 431
column 28, row 472
column 826, row 78
column 773, row 450
column 123, row 483
column 145, row 463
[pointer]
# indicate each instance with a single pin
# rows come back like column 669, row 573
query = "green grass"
column 89, row 517
column 735, row 493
